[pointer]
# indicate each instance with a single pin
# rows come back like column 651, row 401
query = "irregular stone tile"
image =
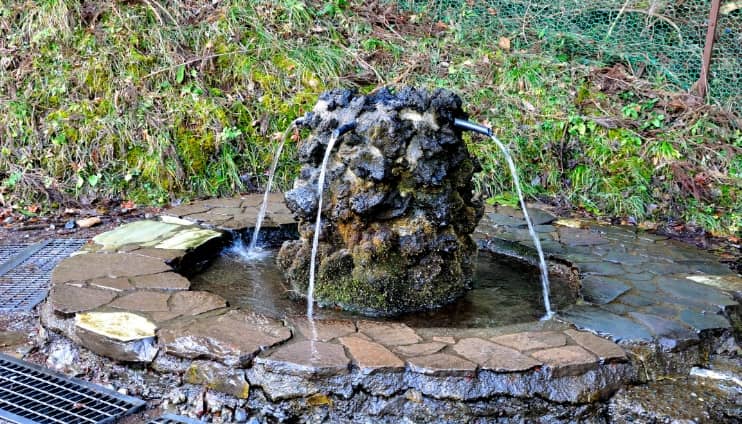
column 639, row 276
column 566, row 360
column 370, row 356
column 604, row 349
column 422, row 349
column 604, row 322
column 307, row 358
column 163, row 280
column 492, row 356
column 580, row 258
column 532, row 340
column 703, row 321
column 233, row 338
column 444, row 339
column 242, row 222
column 662, row 310
column 123, row 326
column 171, row 219
column 160, row 317
column 188, row 238
column 601, row 268
column 724, row 282
column 441, row 364
column 115, row 284
column 642, row 285
column 138, row 233
column 692, row 293
column 707, row 267
column 209, row 219
column 69, row 299
column 218, row 377
column 616, row 308
column 143, row 301
column 636, row 299
column 324, row 330
column 195, row 302
column 224, row 202
column 166, row 255
column 118, row 335
column 538, row 216
column 185, row 210
column 389, row 334
column 95, row 265
column 580, row 237
column 624, row 258
column 600, row 290
column 504, row 220
column 670, row 333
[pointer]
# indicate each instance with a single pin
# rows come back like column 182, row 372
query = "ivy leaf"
column 180, row 74
column 93, row 180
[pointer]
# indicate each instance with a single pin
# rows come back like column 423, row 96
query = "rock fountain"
column 399, row 210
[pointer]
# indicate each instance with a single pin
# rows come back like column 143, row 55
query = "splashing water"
column 536, row 241
column 252, row 248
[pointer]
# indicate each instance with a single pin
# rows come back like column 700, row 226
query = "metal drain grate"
column 30, row 394
column 7, row 251
column 24, row 278
column 174, row 419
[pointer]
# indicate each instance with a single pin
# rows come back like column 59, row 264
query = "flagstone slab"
column 115, row 284
column 703, row 320
column 122, row 336
column 566, row 360
column 370, row 357
column 232, row 338
column 195, row 302
column 492, row 356
column 163, row 280
column 389, row 334
column 600, row 290
column 69, row 299
column 322, row 330
column 422, row 349
column 581, row 237
column 441, row 364
column 307, row 358
column 603, row 322
column 138, row 233
column 532, row 340
column 143, row 301
column 604, row 349
column 95, row 265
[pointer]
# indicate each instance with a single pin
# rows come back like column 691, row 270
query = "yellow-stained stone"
column 188, row 238
column 318, row 399
column 724, row 282
column 123, row 326
column 571, row 223
column 169, row 219
column 140, row 233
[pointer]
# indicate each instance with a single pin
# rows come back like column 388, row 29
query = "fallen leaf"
column 504, row 43
column 128, row 204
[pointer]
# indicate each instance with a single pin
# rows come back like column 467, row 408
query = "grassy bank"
column 154, row 101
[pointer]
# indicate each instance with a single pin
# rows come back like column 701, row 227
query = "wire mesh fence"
column 660, row 40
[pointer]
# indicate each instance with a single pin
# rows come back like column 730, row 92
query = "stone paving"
column 121, row 297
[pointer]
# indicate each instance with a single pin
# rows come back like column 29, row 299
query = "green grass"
column 161, row 100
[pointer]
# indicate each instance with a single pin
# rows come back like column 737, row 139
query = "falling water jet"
column 318, row 223
column 252, row 249
column 531, row 230
column 470, row 126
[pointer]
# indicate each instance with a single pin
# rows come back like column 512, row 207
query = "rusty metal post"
column 700, row 88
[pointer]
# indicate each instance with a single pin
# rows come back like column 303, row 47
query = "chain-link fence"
column 659, row 39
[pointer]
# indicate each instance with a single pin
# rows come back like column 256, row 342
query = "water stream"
column 252, row 249
column 531, row 230
column 318, row 223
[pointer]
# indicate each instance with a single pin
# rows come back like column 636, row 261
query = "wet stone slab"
column 232, row 338
column 600, row 290
column 307, row 358
column 491, row 356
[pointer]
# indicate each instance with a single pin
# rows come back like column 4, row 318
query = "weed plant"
column 163, row 100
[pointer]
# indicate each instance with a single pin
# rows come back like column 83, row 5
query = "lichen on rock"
column 398, row 206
